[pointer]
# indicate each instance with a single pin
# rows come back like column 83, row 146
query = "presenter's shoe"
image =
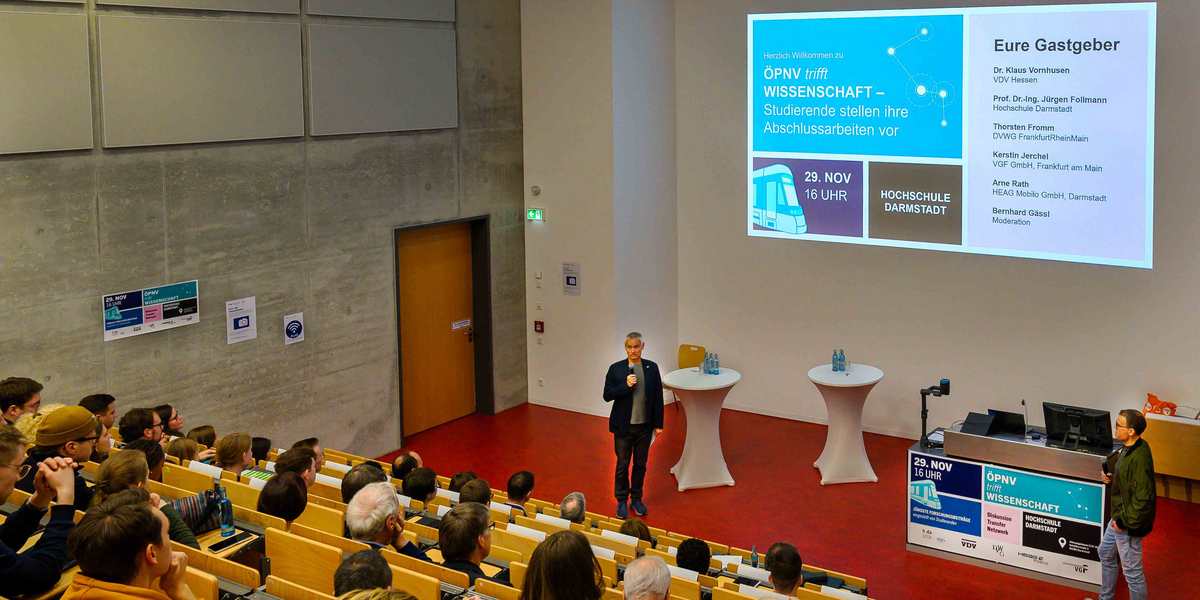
column 622, row 510
column 638, row 508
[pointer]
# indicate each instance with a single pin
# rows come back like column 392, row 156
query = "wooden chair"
column 168, row 491
column 185, row 478
column 612, row 594
column 327, row 503
column 203, row 585
column 331, row 472
column 666, row 557
column 301, row 561
column 496, row 590
column 91, row 467
column 851, row 580
column 324, row 490
column 423, row 587
column 321, row 518
column 424, row 531
column 615, row 545
column 287, row 590
column 254, row 517
column 346, row 545
column 512, row 541
column 544, row 526
column 504, row 554
column 722, row 593
column 220, row 567
column 438, row 572
column 18, row 497
column 690, row 355
column 516, row 574
column 227, row 476
column 241, row 494
column 684, row 588
column 608, row 567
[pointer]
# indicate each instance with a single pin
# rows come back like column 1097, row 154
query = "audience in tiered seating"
column 18, row 396
column 460, row 479
column 68, row 432
column 476, row 490
column 574, row 507
column 233, row 455
column 124, row 551
column 693, row 555
column 647, row 578
column 520, row 490
column 405, row 463
column 563, row 566
column 28, row 423
column 374, row 516
column 155, row 457
column 313, row 444
column 384, row 595
column 141, row 424
column 183, row 449
column 128, row 469
column 637, row 528
column 104, row 406
column 363, row 570
column 260, row 448
column 284, row 496
column 360, row 476
column 784, row 563
column 205, row 435
column 465, row 538
column 39, row 567
column 301, row 461
column 171, row 419
column 420, row 484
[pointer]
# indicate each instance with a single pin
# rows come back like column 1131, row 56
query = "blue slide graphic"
column 877, row 86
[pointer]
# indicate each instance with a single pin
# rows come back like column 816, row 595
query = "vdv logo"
column 968, row 544
column 924, row 492
column 293, row 330
column 241, row 323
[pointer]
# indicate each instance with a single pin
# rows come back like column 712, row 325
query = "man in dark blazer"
column 634, row 386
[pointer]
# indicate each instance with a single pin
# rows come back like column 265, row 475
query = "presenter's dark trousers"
column 635, row 446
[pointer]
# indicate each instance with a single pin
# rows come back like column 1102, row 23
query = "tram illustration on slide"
column 775, row 203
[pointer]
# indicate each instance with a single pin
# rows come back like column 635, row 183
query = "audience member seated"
column 520, row 490
column 284, row 496
column 647, row 578
column 103, row 406
column 18, row 396
column 233, row 455
column 574, row 507
column 300, row 461
column 40, row 567
column 171, row 419
column 784, row 563
column 184, row 449
column 476, row 490
column 693, row 555
column 313, row 444
column 420, row 484
column 128, row 469
column 260, row 449
column 141, row 424
column 103, row 445
column 68, row 432
column 124, row 551
column 563, row 566
column 460, row 479
column 637, row 528
column 465, row 538
column 28, row 423
column 155, row 457
column 205, row 435
column 405, row 463
column 374, row 516
column 360, row 476
column 363, row 570
column 384, row 595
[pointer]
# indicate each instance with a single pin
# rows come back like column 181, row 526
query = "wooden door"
column 437, row 359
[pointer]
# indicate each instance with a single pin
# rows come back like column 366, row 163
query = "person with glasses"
column 465, row 538
column 141, row 424
column 19, row 395
column 1132, row 497
column 40, row 567
column 171, row 419
column 69, row 432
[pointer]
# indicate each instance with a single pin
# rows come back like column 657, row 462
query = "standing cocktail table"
column 702, row 464
column 844, row 459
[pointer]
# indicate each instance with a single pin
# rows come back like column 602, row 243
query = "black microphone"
column 631, row 370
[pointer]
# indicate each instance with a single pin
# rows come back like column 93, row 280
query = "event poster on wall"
column 152, row 309
column 1038, row 522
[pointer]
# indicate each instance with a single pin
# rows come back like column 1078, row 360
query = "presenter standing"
column 634, row 386
column 1132, row 496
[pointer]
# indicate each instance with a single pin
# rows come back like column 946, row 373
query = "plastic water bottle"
column 225, row 506
column 835, row 361
column 841, row 360
column 716, row 364
column 754, row 556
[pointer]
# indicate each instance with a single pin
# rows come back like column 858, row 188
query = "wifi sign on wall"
column 293, row 328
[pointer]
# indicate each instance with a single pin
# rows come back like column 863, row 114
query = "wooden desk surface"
column 206, row 540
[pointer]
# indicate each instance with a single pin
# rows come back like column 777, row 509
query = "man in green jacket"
column 1132, row 497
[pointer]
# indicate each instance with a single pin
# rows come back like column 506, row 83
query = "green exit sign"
column 534, row 214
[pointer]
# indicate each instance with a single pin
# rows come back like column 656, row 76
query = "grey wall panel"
column 289, row 7
column 368, row 79
column 45, row 86
column 416, row 10
column 174, row 81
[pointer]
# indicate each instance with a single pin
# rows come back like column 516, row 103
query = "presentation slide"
column 1010, row 131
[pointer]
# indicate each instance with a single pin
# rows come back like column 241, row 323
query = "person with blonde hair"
column 28, row 423
column 183, row 449
column 233, row 455
column 128, row 469
column 381, row 594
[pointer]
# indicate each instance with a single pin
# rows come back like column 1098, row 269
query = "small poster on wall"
column 151, row 309
column 241, row 320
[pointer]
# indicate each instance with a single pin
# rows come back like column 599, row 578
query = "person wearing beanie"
column 69, row 432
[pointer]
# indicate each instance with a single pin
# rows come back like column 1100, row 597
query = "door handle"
column 470, row 334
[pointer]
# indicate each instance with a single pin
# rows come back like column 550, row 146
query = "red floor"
column 853, row 528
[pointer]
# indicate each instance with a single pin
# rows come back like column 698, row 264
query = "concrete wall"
column 303, row 225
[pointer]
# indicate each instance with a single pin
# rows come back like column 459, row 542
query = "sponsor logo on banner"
column 1062, row 536
column 969, row 544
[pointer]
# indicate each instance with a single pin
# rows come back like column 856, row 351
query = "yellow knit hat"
column 66, row 424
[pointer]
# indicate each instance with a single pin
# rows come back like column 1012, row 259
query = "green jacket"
column 1132, row 494
column 178, row 531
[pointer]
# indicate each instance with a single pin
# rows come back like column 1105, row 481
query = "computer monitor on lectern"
column 1078, row 428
